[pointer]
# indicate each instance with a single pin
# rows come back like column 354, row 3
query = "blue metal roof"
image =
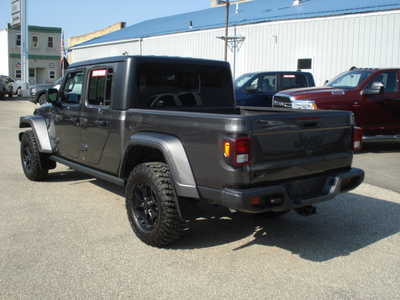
column 249, row 12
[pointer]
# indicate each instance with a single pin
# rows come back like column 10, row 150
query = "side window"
column 253, row 85
column 267, row 83
column 35, row 42
column 72, row 91
column 389, row 79
column 100, row 84
column 50, row 42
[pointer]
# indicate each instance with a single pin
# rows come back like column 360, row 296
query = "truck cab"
column 373, row 95
column 257, row 89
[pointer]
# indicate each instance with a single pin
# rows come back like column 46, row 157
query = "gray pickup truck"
column 167, row 130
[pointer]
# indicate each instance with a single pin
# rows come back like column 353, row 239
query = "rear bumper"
column 381, row 138
column 285, row 196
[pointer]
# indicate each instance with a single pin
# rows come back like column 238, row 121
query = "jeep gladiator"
column 167, row 129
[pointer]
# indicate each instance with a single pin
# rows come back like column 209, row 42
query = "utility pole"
column 24, row 48
column 227, row 7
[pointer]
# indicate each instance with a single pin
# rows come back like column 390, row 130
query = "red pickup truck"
column 373, row 95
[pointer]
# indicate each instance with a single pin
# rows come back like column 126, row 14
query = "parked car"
column 168, row 131
column 257, row 89
column 6, row 87
column 373, row 95
column 38, row 91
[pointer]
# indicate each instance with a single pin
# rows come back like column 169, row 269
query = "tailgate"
column 296, row 144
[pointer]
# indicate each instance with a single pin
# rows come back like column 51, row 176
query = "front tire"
column 34, row 163
column 151, row 204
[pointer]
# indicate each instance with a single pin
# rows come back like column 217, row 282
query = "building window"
column 50, row 42
column 35, row 42
column 18, row 41
column 52, row 75
column 304, row 64
column 100, row 87
column 18, row 74
column 31, row 72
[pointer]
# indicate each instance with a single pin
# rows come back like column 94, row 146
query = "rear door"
column 381, row 113
column 97, row 114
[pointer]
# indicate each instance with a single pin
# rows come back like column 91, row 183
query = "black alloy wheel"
column 145, row 207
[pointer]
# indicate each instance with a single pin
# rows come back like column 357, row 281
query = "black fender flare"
column 175, row 156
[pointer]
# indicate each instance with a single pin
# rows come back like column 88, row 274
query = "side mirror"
column 326, row 82
column 376, row 88
column 52, row 96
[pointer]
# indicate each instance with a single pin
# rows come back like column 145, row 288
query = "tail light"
column 357, row 139
column 237, row 151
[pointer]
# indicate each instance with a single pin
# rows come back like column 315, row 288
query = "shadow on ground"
column 342, row 226
column 380, row 148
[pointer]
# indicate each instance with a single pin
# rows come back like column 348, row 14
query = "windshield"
column 349, row 80
column 242, row 80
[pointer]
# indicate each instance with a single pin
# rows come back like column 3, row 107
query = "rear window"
column 172, row 86
column 292, row 81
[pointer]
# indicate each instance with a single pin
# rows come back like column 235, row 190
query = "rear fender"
column 39, row 128
column 175, row 156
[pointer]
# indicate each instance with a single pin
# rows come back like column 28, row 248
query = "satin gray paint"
column 39, row 128
column 175, row 156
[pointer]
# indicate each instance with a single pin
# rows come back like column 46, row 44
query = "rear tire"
column 34, row 163
column 151, row 204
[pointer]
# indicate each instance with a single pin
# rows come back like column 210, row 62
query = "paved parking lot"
column 69, row 237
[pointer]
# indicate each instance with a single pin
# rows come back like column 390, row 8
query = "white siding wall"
column 334, row 44
column 132, row 48
column 4, row 59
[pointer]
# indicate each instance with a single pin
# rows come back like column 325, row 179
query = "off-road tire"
column 167, row 228
column 37, row 168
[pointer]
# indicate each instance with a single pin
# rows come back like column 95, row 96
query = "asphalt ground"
column 69, row 237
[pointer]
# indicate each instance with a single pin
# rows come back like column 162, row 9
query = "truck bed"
column 284, row 143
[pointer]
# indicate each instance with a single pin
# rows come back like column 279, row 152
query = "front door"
column 67, row 114
column 259, row 91
column 381, row 113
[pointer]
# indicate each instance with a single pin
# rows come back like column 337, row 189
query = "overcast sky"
column 82, row 16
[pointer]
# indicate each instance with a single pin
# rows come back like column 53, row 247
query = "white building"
column 44, row 53
column 323, row 37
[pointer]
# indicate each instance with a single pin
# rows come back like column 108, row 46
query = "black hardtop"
column 150, row 59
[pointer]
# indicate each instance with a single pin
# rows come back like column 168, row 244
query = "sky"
column 78, row 17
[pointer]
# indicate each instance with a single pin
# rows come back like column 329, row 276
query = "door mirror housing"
column 376, row 88
column 52, row 96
